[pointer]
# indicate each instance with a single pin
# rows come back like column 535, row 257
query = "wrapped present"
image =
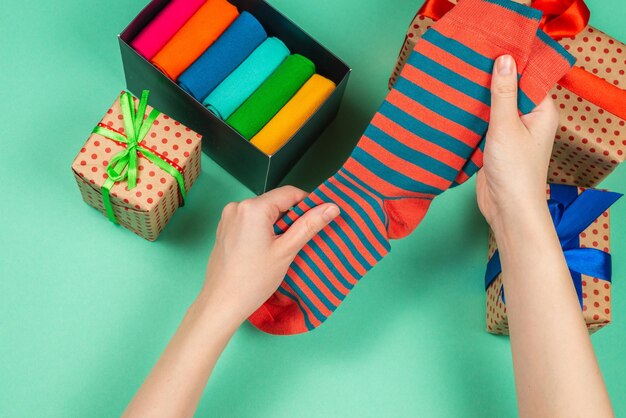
column 591, row 138
column 137, row 165
column 581, row 219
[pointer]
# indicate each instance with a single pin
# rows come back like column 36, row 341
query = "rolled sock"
column 161, row 29
column 246, row 78
column 421, row 137
column 294, row 114
column 534, row 83
column 217, row 62
column 194, row 37
column 271, row 96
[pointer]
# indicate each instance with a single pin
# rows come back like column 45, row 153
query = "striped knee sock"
column 426, row 130
column 534, row 82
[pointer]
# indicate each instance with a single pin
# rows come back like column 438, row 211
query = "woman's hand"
column 249, row 261
column 246, row 266
column 517, row 151
column 547, row 332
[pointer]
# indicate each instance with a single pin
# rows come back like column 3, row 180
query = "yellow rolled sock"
column 293, row 115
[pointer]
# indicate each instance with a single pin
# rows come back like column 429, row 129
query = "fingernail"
column 330, row 213
column 505, row 65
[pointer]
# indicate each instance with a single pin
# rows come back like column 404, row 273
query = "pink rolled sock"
column 161, row 29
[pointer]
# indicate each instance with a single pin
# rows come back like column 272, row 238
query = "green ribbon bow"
column 123, row 165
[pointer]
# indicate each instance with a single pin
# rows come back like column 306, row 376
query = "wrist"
column 529, row 222
column 209, row 308
column 517, row 220
column 520, row 212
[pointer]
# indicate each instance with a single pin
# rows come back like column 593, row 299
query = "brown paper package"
column 147, row 208
column 596, row 308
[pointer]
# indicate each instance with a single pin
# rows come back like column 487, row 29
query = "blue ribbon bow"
column 572, row 213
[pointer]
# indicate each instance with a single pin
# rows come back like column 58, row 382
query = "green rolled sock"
column 271, row 96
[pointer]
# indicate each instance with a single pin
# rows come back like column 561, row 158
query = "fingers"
column 281, row 199
column 307, row 226
column 504, row 93
column 267, row 207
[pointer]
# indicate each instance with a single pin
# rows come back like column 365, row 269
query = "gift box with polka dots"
column 146, row 208
column 590, row 141
column 596, row 293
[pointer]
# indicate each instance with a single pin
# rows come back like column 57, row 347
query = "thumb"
column 307, row 226
column 504, row 93
column 543, row 120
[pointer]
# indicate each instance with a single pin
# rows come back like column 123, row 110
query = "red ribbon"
column 435, row 9
column 596, row 90
column 161, row 156
column 561, row 19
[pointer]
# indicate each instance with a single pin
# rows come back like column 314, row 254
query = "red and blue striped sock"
column 547, row 63
column 421, row 138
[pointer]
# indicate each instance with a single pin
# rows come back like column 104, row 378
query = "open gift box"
column 252, row 167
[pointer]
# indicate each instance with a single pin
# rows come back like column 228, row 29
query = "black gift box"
column 226, row 146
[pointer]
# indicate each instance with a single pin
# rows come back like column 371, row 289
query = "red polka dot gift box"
column 591, row 138
column 137, row 165
column 581, row 218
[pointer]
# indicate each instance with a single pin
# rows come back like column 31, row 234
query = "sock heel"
column 404, row 215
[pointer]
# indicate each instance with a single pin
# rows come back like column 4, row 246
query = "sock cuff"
column 495, row 14
column 546, row 42
column 518, row 8
column 504, row 23
column 547, row 64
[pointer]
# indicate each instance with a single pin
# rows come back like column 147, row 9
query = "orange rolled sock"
column 294, row 114
column 200, row 31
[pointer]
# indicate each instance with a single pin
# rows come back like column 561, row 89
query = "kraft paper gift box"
column 581, row 218
column 165, row 162
column 256, row 170
column 591, row 138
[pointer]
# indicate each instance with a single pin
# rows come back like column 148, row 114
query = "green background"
column 86, row 307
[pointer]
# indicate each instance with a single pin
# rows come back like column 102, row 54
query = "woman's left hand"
column 246, row 266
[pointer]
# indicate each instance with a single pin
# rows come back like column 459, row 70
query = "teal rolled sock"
column 246, row 78
column 273, row 94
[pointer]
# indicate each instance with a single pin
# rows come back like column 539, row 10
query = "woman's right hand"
column 517, row 151
column 547, row 332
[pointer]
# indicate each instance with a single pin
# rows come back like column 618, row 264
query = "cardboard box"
column 227, row 147
column 148, row 207
column 595, row 293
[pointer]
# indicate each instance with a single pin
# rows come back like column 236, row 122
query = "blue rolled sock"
column 246, row 78
column 221, row 58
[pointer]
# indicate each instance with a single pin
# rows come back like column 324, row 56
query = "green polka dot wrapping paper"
column 591, row 139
